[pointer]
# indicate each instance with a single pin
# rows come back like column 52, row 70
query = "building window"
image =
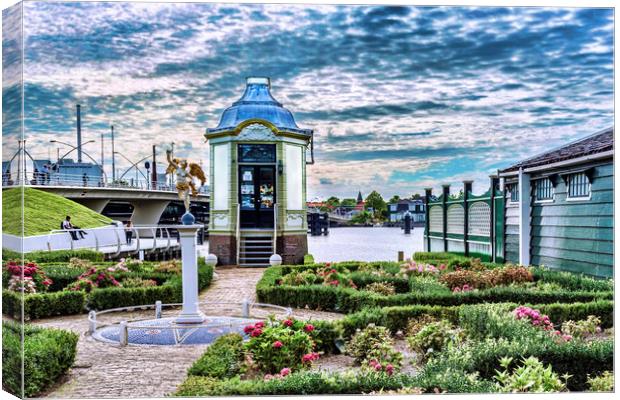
column 544, row 189
column 513, row 189
column 578, row 185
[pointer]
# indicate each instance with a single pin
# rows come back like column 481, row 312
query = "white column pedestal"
column 190, row 313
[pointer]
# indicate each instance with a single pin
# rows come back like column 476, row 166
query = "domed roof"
column 258, row 103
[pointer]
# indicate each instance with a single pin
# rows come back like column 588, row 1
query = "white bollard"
column 158, row 309
column 92, row 323
column 245, row 308
column 190, row 314
column 123, row 334
column 211, row 260
column 141, row 255
column 275, row 259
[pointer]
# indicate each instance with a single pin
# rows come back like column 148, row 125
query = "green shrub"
column 41, row 305
column 308, row 259
column 48, row 354
column 572, row 281
column 222, row 359
column 531, row 377
column 44, row 256
column 560, row 313
column 8, row 254
column 602, row 383
column 383, row 288
column 583, row 328
column 299, row 383
column 435, row 337
column 277, row 345
column 373, row 348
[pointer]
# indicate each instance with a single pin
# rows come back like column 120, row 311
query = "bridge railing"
column 73, row 180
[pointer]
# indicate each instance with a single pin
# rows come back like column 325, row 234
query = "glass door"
column 257, row 195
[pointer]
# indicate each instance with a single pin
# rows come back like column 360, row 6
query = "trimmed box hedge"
column 347, row 300
column 47, row 354
column 67, row 302
column 41, row 305
column 43, row 256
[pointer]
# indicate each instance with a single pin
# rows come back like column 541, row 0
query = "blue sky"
column 400, row 98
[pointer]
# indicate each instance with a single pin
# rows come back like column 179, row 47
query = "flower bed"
column 80, row 286
column 46, row 355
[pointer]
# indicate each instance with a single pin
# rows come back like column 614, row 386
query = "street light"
column 85, row 153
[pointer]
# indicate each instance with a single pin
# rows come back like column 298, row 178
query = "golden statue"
column 186, row 173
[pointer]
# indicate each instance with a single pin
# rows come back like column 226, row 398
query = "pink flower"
column 309, row 328
column 328, row 264
column 259, row 324
column 567, row 337
column 268, row 377
column 306, row 358
column 248, row 329
column 285, row 371
column 442, row 267
column 256, row 332
column 389, row 369
column 378, row 367
column 277, row 344
column 287, row 322
column 456, row 289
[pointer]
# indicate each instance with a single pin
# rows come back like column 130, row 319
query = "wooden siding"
column 575, row 235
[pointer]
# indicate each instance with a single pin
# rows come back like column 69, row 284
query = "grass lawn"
column 43, row 212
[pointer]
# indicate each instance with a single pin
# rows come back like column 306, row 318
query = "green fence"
column 465, row 223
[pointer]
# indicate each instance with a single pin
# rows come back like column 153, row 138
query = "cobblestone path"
column 107, row 370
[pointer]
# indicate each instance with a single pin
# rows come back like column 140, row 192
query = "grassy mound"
column 43, row 212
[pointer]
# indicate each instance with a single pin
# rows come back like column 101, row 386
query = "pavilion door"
column 257, row 195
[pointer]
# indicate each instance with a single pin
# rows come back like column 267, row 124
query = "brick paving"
column 105, row 370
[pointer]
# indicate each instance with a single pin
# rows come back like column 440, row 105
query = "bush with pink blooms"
column 94, row 278
column 27, row 277
column 373, row 349
column 540, row 321
column 276, row 346
column 414, row 268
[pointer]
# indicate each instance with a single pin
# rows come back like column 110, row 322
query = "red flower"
column 389, row 369
column 309, row 328
column 277, row 344
column 306, row 358
column 260, row 324
column 256, row 332
column 287, row 322
column 328, row 264
column 248, row 329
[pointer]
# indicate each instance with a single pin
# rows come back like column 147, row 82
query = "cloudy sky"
column 400, row 98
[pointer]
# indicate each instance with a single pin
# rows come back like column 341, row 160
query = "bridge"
column 148, row 199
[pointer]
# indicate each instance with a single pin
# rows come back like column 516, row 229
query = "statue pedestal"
column 190, row 314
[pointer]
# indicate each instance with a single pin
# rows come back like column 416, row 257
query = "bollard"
column 122, row 337
column 408, row 223
column 245, row 308
column 141, row 255
column 92, row 323
column 158, row 309
column 401, row 256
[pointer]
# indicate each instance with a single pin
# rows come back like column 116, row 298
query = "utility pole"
column 113, row 161
column 172, row 155
column 154, row 171
column 102, row 155
column 79, row 134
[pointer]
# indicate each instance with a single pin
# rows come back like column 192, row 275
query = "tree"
column 348, row 203
column 333, row 201
column 395, row 199
column 416, row 196
column 376, row 202
column 362, row 218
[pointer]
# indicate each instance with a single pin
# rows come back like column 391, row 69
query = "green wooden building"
column 559, row 207
column 553, row 209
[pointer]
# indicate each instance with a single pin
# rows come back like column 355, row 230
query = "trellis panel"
column 479, row 223
column 456, row 219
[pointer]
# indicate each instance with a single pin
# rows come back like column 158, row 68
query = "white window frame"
column 578, row 198
column 551, row 200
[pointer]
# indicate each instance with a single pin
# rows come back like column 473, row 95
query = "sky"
column 400, row 98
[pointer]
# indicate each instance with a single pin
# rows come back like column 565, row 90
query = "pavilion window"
column 513, row 189
column 544, row 189
column 578, row 185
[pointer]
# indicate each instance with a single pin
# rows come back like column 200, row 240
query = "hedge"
column 395, row 318
column 41, row 305
column 222, row 359
column 44, row 256
column 349, row 300
column 47, row 354
column 300, row 383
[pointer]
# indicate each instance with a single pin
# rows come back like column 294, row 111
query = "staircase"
column 256, row 248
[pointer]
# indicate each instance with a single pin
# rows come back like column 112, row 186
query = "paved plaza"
column 107, row 370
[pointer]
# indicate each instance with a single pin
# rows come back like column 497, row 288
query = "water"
column 363, row 244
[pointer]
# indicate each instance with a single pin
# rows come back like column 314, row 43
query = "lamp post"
column 73, row 148
column 113, row 152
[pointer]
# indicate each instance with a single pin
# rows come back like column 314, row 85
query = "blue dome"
column 258, row 103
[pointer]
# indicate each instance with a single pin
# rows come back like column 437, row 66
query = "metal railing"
column 238, row 232
column 73, row 236
column 72, row 180
column 247, row 310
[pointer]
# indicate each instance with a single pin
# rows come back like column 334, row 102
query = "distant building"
column 559, row 207
column 415, row 207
